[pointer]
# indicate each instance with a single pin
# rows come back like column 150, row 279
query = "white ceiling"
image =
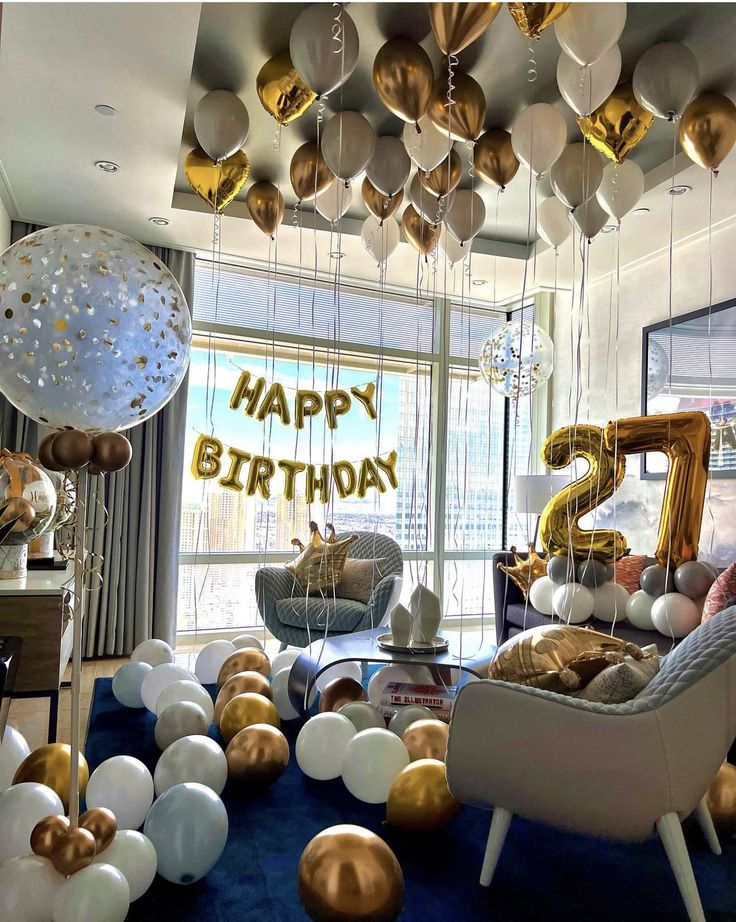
column 153, row 61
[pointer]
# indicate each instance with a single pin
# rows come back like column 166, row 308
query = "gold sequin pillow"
column 318, row 568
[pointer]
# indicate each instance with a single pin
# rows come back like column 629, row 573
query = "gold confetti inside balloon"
column 517, row 358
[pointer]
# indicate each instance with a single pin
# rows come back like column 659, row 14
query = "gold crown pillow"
column 318, row 568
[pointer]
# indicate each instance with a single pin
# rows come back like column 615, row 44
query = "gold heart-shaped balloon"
column 533, row 18
column 281, row 89
column 216, row 183
column 422, row 235
column 618, row 124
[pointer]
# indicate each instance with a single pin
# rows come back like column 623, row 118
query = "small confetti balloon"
column 27, row 499
column 94, row 329
column 658, row 368
column 517, row 358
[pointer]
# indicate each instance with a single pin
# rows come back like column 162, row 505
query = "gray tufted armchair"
column 297, row 619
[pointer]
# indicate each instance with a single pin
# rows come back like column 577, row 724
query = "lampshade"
column 532, row 492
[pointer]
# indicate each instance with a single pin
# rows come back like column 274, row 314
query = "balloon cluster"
column 70, row 449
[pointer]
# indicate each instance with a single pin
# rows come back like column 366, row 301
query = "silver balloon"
column 517, row 358
column 324, row 46
column 465, row 219
column 380, row 238
column 665, row 79
column 589, row 218
column 453, row 249
column 408, row 715
column 592, row 573
column 553, row 222
column 585, row 88
column 426, row 144
column 188, row 826
column 390, row 165
column 94, row 329
column 693, row 579
column 127, row 682
column 347, row 144
column 576, row 174
column 430, row 207
column 561, row 570
column 621, row 188
column 221, row 124
column 362, row 715
column 658, row 368
column 182, row 718
column 334, row 201
column 656, row 580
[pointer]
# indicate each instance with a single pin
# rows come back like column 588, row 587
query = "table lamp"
column 532, row 492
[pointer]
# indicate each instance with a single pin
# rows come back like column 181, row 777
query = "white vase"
column 426, row 615
column 400, row 620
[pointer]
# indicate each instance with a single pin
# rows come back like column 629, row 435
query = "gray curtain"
column 134, row 544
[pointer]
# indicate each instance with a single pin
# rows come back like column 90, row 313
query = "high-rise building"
column 292, row 521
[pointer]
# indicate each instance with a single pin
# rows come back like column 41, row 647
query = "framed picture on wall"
column 690, row 364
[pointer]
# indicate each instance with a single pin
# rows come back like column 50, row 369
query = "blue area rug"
column 542, row 874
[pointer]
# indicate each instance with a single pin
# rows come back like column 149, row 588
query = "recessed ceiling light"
column 162, row 222
column 108, row 111
column 679, row 190
column 608, row 228
column 480, row 282
column 642, row 210
column 107, row 166
column 336, row 254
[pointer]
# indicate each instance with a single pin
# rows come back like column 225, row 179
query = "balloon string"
column 337, row 30
column 531, row 68
column 277, row 138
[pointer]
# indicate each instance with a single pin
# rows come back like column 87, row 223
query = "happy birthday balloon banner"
column 254, row 472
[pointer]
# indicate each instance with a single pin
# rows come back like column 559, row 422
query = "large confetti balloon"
column 94, row 329
column 517, row 358
column 658, row 369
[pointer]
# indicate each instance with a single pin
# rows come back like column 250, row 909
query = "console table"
column 37, row 609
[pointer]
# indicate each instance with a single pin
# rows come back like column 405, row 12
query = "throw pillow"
column 627, row 571
column 621, row 682
column 720, row 592
column 318, row 569
column 358, row 579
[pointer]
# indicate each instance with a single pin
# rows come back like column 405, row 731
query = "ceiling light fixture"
column 479, row 282
column 640, row 211
column 608, row 228
column 107, row 166
column 162, row 222
column 336, row 254
column 108, row 111
column 679, row 190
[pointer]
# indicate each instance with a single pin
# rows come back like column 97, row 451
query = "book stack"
column 438, row 698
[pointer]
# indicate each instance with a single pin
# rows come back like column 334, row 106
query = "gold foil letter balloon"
column 281, row 89
column 403, row 78
column 217, row 184
column 94, row 329
column 707, row 130
column 618, row 124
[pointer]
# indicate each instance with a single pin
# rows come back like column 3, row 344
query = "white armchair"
column 622, row 772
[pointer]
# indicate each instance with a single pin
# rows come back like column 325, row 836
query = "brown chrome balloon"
column 249, row 659
column 74, row 850
column 419, row 799
column 426, row 739
column 494, row 158
column 465, row 116
column 71, row 448
column 340, row 691
column 44, row 453
column 238, row 684
column 257, row 755
column 266, row 207
column 403, row 78
column 101, row 823
column 443, row 179
column 457, row 25
column 51, row 765
column 308, row 172
column 721, row 798
column 19, row 511
column 380, row 206
column 46, row 832
column 244, row 711
column 422, row 235
column 111, row 452
column 707, row 130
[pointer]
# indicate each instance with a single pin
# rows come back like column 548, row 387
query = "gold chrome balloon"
column 249, row 659
column 245, row 710
column 238, row 684
column 266, row 207
column 721, row 799
column 257, row 756
column 46, row 832
column 51, row 765
column 73, row 850
column 617, row 125
column 707, row 130
column 380, row 206
column 494, row 158
column 308, row 172
column 685, row 439
column 403, row 78
column 559, row 531
column 533, row 18
column 340, row 691
column 444, row 177
column 422, row 235
column 281, row 89
column 346, row 873
column 419, row 799
column 426, row 739
column 72, row 448
column 101, row 823
column 216, row 183
column 465, row 117
column 457, row 25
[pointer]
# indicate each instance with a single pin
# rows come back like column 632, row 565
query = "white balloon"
column 21, row 807
column 247, row 640
column 419, row 675
column 127, row 683
column 538, row 136
column 675, row 615
column 221, row 124
column 348, row 142
column 621, row 188
column 553, row 222
column 351, row 669
column 589, row 218
column 465, row 219
column 183, row 718
column 429, row 206
column 665, row 79
column 427, row 147
column 639, row 610
column 371, row 761
column 573, row 603
column 321, row 743
column 585, row 88
column 210, row 658
column 380, row 238
column 285, row 659
column 323, row 62
column 541, row 593
column 13, row 750
column 576, row 174
column 191, row 758
column 452, row 248
column 280, row 691
column 588, row 30
column 124, row 785
column 389, row 168
column 609, row 602
column 154, row 652
column 157, row 680
column 334, row 201
column 97, row 893
column 134, row 856
column 186, row 690
column 28, row 887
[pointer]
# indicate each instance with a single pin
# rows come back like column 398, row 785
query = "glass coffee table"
column 362, row 647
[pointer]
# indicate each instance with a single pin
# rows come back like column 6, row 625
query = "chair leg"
column 670, row 832
column 705, row 821
column 496, row 837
